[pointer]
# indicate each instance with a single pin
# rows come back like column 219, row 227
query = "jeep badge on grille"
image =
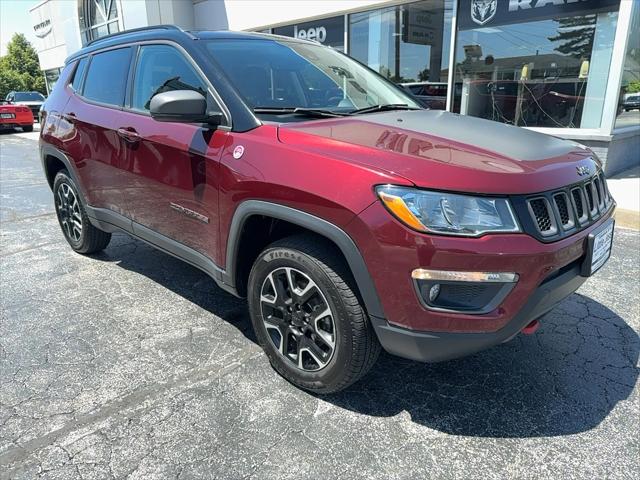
column 582, row 170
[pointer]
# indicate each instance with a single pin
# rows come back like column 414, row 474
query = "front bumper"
column 440, row 346
column 392, row 251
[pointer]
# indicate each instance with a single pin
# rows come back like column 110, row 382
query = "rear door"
column 173, row 167
column 89, row 125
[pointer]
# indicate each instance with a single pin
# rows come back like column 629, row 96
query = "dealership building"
column 564, row 67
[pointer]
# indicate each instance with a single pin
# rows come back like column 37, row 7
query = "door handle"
column 128, row 135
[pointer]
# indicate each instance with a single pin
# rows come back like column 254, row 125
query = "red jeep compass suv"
column 351, row 218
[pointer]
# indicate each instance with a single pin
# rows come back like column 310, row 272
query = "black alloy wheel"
column 79, row 232
column 307, row 315
column 298, row 318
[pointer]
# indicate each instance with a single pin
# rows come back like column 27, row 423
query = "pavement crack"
column 119, row 409
column 27, row 249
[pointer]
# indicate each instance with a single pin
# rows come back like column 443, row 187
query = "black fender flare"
column 48, row 150
column 315, row 224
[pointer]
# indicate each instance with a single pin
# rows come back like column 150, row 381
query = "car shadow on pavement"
column 179, row 277
column 564, row 379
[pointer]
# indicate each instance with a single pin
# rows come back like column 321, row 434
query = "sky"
column 15, row 18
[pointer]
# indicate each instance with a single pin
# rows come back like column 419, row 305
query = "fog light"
column 456, row 276
column 433, row 292
column 462, row 292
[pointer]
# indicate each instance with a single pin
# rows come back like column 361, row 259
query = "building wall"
column 54, row 45
column 134, row 13
column 255, row 14
column 622, row 152
column 141, row 13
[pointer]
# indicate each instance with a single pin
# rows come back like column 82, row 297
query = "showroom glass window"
column 537, row 67
column 97, row 18
column 629, row 103
column 407, row 44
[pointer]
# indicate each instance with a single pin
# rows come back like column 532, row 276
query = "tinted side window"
column 107, row 77
column 77, row 76
column 162, row 68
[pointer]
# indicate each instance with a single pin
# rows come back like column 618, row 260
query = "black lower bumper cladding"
column 440, row 346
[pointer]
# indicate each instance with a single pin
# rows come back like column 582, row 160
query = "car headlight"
column 448, row 213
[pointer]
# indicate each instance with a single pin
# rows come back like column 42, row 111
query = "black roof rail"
column 134, row 30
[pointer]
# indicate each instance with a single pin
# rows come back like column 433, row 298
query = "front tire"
column 77, row 229
column 307, row 317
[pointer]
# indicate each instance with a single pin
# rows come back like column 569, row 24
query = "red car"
column 351, row 219
column 431, row 95
column 14, row 116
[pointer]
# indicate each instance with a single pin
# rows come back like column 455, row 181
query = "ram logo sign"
column 510, row 12
column 483, row 10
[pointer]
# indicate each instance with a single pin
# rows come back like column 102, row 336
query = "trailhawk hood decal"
column 440, row 149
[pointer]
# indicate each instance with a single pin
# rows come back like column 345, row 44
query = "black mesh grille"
column 577, row 200
column 464, row 295
column 541, row 213
column 558, row 213
column 563, row 208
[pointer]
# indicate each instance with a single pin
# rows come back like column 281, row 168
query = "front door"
column 88, row 127
column 173, row 167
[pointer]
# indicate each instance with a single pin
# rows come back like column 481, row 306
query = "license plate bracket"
column 7, row 115
column 599, row 243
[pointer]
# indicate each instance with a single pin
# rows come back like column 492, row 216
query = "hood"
column 436, row 149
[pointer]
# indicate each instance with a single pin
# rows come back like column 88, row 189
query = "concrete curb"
column 627, row 218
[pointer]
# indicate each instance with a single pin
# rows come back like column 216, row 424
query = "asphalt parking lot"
column 132, row 364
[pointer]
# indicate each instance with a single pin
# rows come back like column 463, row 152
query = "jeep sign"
column 490, row 13
column 328, row 31
column 318, row 34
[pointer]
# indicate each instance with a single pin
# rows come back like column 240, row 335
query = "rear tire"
column 300, row 289
column 27, row 128
column 77, row 229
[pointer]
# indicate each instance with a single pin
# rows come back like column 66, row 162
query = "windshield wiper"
column 382, row 108
column 311, row 112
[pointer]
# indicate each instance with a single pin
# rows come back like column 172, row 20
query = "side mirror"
column 184, row 106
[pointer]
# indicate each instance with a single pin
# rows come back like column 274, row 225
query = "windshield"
column 28, row 97
column 281, row 74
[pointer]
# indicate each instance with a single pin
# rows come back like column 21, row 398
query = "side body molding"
column 111, row 221
column 310, row 222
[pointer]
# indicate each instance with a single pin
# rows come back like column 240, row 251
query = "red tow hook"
column 531, row 328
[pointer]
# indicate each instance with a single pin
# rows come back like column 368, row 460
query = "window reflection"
column 97, row 18
column 408, row 44
column 162, row 68
column 550, row 73
column 629, row 103
column 295, row 74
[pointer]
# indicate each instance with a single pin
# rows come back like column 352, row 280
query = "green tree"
column 19, row 68
column 633, row 87
column 575, row 36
